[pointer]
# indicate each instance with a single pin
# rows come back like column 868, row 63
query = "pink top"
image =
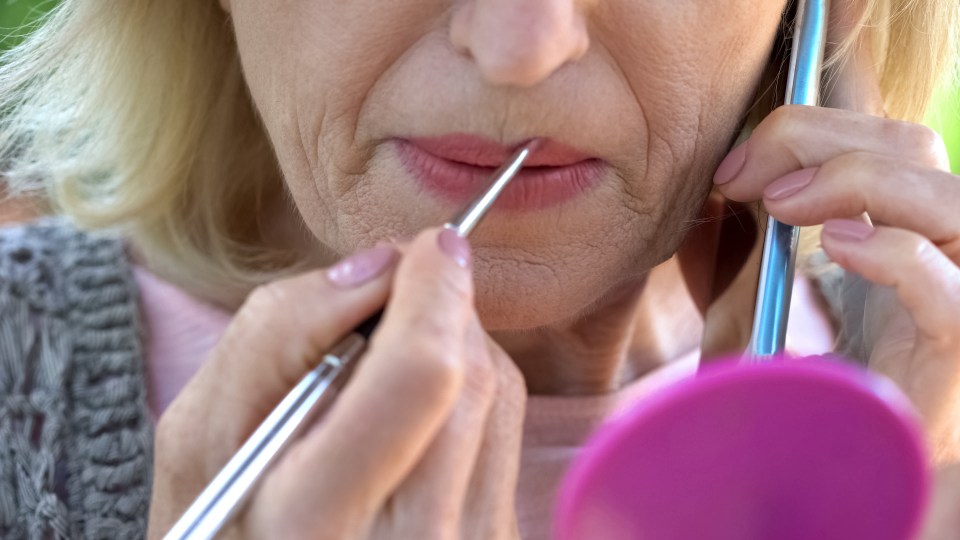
column 182, row 330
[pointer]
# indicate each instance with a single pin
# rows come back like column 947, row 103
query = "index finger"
column 796, row 137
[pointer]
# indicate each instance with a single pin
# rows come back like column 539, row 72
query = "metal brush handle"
column 769, row 333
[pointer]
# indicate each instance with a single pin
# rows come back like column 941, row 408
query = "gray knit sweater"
column 75, row 435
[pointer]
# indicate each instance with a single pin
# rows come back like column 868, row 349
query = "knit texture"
column 75, row 436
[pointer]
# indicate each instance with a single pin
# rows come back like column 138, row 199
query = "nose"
column 520, row 42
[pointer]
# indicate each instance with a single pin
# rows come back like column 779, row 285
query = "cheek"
column 693, row 69
column 310, row 67
column 694, row 73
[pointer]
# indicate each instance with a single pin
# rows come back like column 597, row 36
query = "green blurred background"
column 944, row 116
column 14, row 14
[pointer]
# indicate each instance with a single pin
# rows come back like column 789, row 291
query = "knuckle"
column 897, row 133
column 934, row 147
column 781, row 124
column 923, row 143
column 430, row 365
column 922, row 251
column 926, row 258
column 923, row 138
column 260, row 326
column 277, row 306
column 929, row 258
column 927, row 138
column 268, row 298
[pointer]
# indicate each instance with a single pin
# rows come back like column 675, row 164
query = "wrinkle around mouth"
column 515, row 263
column 633, row 200
column 336, row 166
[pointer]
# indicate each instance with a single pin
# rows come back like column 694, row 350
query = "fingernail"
column 362, row 267
column 789, row 184
column 455, row 246
column 731, row 165
column 847, row 230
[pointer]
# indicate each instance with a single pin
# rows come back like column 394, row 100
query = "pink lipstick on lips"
column 453, row 167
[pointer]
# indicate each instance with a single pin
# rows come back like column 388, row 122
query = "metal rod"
column 231, row 487
column 469, row 217
column 769, row 334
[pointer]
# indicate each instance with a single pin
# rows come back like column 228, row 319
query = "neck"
column 636, row 328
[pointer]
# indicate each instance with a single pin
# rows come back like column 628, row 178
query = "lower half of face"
column 385, row 121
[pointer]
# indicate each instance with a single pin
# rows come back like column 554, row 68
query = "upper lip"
column 480, row 151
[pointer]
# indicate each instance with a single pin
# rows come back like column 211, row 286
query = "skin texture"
column 633, row 83
column 657, row 89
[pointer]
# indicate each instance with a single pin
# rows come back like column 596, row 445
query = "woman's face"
column 385, row 115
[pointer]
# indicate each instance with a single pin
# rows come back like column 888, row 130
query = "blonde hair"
column 133, row 115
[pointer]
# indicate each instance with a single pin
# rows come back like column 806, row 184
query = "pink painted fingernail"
column 455, row 246
column 731, row 165
column 362, row 267
column 789, row 184
column 847, row 230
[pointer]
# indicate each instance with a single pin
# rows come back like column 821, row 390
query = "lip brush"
column 769, row 333
column 229, row 489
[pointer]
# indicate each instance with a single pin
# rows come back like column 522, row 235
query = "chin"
column 514, row 295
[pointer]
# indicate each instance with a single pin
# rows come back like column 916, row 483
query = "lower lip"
column 534, row 188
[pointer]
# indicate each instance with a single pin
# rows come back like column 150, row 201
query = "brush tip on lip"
column 532, row 145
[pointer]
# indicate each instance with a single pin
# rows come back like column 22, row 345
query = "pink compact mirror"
column 790, row 450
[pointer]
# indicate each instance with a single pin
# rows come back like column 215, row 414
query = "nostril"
column 460, row 29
